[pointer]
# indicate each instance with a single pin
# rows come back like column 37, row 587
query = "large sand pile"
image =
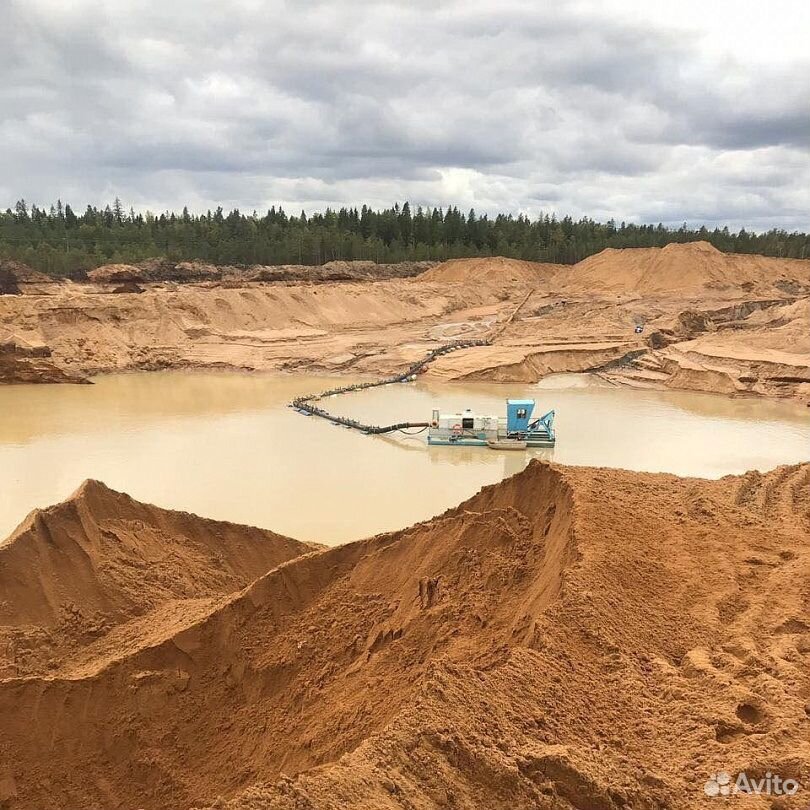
column 494, row 270
column 569, row 638
column 72, row 577
column 683, row 268
column 116, row 274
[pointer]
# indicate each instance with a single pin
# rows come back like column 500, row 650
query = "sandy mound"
column 683, row 268
column 73, row 574
column 115, row 274
column 17, row 278
column 495, row 270
column 196, row 271
column 350, row 266
column 569, row 638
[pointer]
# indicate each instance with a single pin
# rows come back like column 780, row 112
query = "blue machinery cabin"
column 518, row 428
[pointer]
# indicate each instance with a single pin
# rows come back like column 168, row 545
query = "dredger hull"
column 482, row 441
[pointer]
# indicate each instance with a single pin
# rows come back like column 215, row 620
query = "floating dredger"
column 517, row 431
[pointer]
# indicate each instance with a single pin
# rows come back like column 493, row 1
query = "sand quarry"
column 711, row 321
column 571, row 638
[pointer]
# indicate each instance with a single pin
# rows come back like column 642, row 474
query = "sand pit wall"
column 258, row 326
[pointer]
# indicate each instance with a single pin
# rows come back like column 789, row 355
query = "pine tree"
column 57, row 240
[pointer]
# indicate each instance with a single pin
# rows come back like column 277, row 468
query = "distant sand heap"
column 570, row 638
column 496, row 269
column 159, row 270
column 683, row 268
column 17, row 278
column 116, row 274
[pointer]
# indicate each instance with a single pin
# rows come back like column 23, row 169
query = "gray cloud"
column 511, row 106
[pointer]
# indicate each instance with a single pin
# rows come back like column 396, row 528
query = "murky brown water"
column 226, row 446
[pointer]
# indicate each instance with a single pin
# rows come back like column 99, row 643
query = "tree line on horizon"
column 61, row 242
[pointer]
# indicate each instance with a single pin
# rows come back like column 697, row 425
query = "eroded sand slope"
column 568, row 638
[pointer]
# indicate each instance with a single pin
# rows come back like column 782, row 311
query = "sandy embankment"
column 570, row 638
column 714, row 322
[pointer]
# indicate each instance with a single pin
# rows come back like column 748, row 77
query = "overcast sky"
column 695, row 110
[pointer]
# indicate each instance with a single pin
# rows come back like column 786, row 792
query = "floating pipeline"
column 305, row 404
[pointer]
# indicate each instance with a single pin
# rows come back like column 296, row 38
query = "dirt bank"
column 25, row 363
column 568, row 638
column 709, row 321
column 260, row 326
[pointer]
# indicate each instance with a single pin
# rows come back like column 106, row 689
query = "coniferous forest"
column 61, row 242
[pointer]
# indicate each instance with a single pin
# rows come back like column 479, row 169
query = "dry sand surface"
column 715, row 322
column 568, row 638
column 690, row 268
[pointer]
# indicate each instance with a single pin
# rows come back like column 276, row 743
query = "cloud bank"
column 586, row 108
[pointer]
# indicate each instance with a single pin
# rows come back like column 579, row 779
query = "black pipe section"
column 304, row 404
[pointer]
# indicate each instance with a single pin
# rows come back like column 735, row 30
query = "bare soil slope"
column 569, row 638
column 73, row 574
column 23, row 363
column 263, row 326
